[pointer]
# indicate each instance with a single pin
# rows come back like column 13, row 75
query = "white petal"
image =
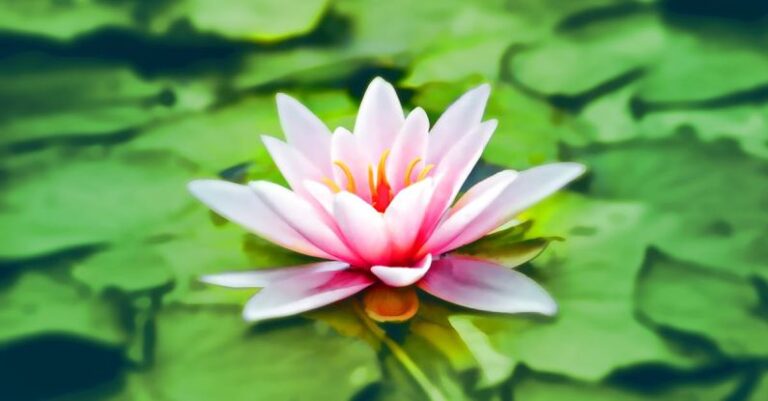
column 305, row 219
column 321, row 194
column 263, row 277
column 455, row 167
column 363, row 228
column 294, row 166
column 405, row 215
column 291, row 297
column 379, row 119
column 240, row 204
column 410, row 144
column 457, row 121
column 530, row 187
column 305, row 132
column 486, row 286
column 346, row 148
column 467, row 208
column 402, row 276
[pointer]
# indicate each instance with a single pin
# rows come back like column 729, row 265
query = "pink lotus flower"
column 378, row 205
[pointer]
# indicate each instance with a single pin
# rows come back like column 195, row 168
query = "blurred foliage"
column 658, row 258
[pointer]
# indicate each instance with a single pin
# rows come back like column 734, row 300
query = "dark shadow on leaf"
column 596, row 15
column 54, row 365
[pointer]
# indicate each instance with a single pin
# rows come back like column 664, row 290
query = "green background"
column 108, row 108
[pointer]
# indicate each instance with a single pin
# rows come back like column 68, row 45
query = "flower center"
column 381, row 190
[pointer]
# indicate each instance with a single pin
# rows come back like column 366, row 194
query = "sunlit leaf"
column 205, row 354
column 55, row 98
column 540, row 389
column 696, row 300
column 38, row 304
column 261, row 20
column 128, row 267
column 591, row 276
column 706, row 200
column 94, row 199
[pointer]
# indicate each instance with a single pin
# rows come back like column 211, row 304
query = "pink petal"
column 294, row 166
column 379, row 119
column 402, row 276
column 405, row 215
column 455, row 167
column 290, row 297
column 264, row 277
column 346, row 148
column 305, row 132
column 322, row 195
column 458, row 120
column 305, row 219
column 410, row 144
column 362, row 227
column 240, row 204
column 467, row 208
column 530, row 187
column 486, row 286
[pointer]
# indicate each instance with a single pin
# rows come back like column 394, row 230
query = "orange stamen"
column 332, row 185
column 423, row 173
column 351, row 187
column 409, row 170
column 381, row 192
column 381, row 174
column 371, row 184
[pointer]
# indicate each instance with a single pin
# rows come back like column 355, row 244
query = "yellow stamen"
column 380, row 172
column 409, row 170
column 371, row 184
column 423, row 173
column 348, row 173
column 332, row 185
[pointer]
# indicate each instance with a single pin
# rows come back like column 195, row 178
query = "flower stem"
column 399, row 353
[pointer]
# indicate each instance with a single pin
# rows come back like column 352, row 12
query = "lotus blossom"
column 377, row 205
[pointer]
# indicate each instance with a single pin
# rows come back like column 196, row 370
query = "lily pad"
column 576, row 61
column 39, row 304
column 591, row 275
column 696, row 300
column 541, row 389
column 63, row 19
column 76, row 100
column 128, row 267
column 685, row 184
column 209, row 353
column 705, row 67
column 94, row 199
column 261, row 20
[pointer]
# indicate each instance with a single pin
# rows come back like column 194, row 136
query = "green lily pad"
column 128, row 267
column 39, row 304
column 63, row 19
column 457, row 60
column 591, row 275
column 747, row 125
column 51, row 98
column 261, row 20
column 707, row 201
column 696, row 300
column 578, row 60
column 541, row 389
column 705, row 67
column 93, row 199
column 209, row 353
